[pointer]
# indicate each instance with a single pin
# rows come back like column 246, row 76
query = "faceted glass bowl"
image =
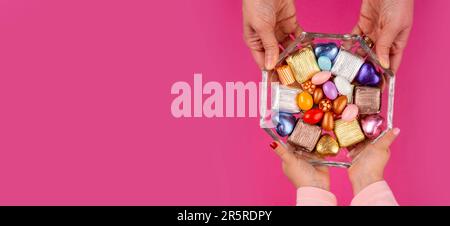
column 356, row 44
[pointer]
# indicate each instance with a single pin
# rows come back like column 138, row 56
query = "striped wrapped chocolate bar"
column 368, row 99
column 305, row 136
column 303, row 63
column 348, row 133
column 347, row 65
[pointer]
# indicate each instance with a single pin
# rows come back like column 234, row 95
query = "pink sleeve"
column 376, row 194
column 312, row 196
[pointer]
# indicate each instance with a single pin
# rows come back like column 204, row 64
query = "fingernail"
column 396, row 131
column 384, row 63
column 273, row 145
column 269, row 63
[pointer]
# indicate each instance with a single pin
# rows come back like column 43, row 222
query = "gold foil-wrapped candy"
column 327, row 145
column 285, row 75
column 304, row 65
column 348, row 133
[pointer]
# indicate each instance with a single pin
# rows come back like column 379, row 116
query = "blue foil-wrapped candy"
column 286, row 124
column 368, row 75
column 329, row 50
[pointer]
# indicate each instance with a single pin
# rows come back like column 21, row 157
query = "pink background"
column 85, row 105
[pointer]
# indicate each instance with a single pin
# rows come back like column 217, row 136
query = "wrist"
column 315, row 184
column 361, row 182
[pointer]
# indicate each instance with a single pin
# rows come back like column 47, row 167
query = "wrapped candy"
column 368, row 99
column 347, row 65
column 304, row 65
column 327, row 145
column 305, row 136
column 286, row 124
column 372, row 126
column 368, row 75
column 285, row 75
column 329, row 50
column 348, row 133
column 288, row 99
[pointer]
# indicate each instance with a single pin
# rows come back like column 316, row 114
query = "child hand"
column 369, row 161
column 299, row 171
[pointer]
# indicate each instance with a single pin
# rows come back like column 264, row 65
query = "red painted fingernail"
column 273, row 145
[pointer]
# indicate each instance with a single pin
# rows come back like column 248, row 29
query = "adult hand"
column 369, row 161
column 268, row 23
column 388, row 23
column 299, row 171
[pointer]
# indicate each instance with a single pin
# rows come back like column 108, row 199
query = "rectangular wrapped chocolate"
column 348, row 133
column 288, row 99
column 303, row 63
column 368, row 99
column 347, row 65
column 305, row 136
column 285, row 75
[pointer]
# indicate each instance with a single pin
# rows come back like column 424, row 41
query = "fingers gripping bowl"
column 325, row 96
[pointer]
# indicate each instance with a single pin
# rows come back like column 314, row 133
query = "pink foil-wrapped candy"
column 372, row 126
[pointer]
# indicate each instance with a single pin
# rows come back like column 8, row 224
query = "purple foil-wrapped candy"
column 368, row 75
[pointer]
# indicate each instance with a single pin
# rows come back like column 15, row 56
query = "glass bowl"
column 270, row 88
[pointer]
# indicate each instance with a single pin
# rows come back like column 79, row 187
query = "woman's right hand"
column 369, row 161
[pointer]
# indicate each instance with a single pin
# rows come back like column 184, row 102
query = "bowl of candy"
column 325, row 97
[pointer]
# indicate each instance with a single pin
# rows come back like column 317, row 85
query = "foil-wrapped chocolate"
column 288, row 99
column 327, row 145
column 368, row 99
column 304, row 65
column 285, row 75
column 348, row 133
column 286, row 124
column 347, row 65
column 305, row 136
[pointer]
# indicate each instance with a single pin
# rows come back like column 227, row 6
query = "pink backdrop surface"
column 85, row 105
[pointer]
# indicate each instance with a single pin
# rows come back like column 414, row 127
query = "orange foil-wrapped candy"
column 317, row 95
column 328, row 121
column 285, row 75
column 339, row 104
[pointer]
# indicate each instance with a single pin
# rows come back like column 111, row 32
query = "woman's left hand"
column 299, row 171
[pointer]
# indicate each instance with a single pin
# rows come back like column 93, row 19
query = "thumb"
column 387, row 139
column 284, row 154
column 383, row 46
column 270, row 45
